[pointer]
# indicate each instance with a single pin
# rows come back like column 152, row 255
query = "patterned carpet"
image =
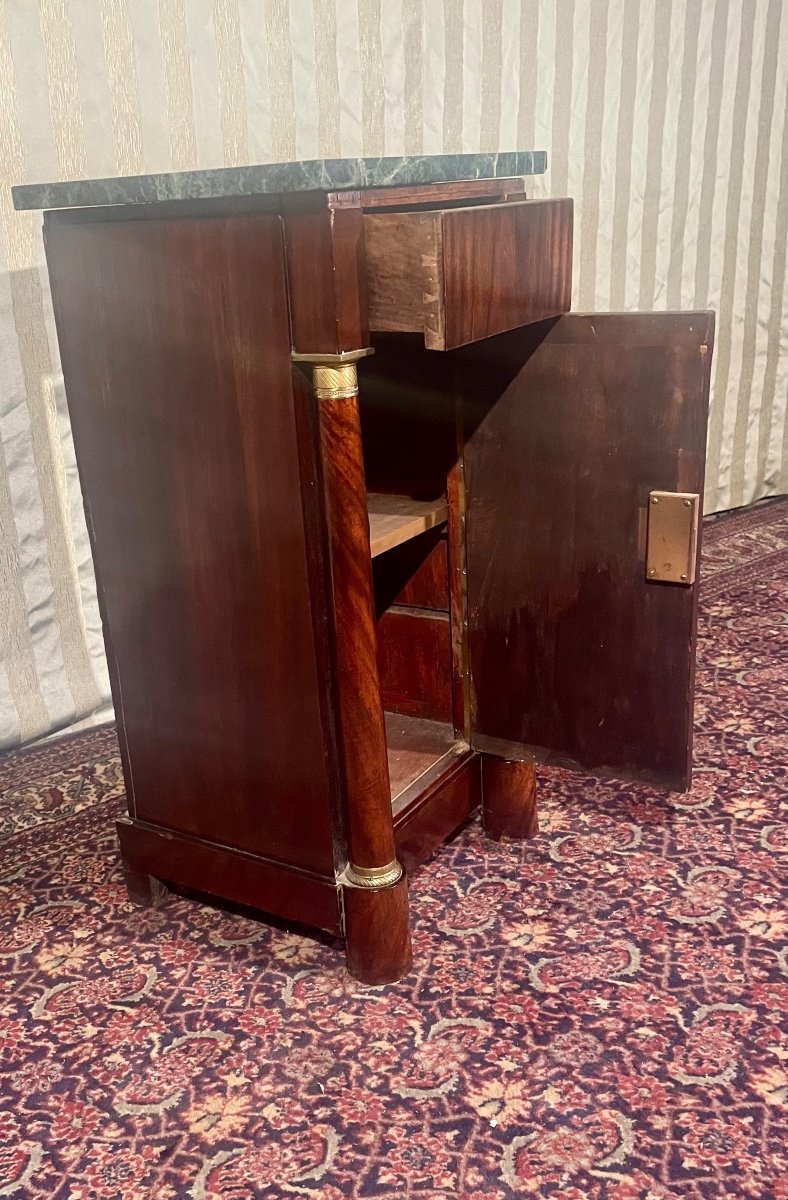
column 597, row 1014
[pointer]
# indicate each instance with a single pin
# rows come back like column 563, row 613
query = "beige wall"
column 665, row 119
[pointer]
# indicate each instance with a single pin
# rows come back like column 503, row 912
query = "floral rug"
column 599, row 1013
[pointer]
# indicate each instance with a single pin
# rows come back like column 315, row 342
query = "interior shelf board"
column 415, row 746
column 396, row 519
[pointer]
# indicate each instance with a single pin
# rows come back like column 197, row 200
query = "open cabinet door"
column 575, row 655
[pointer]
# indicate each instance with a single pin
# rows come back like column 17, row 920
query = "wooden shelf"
column 396, row 519
column 415, row 747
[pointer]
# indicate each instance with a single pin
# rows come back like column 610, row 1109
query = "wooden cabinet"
column 370, row 515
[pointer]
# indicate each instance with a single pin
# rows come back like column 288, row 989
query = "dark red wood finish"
column 458, row 599
column 505, row 266
column 414, row 660
column 441, row 195
column 461, row 274
column 415, row 574
column 508, row 798
column 377, row 929
column 569, row 425
column 369, row 834
column 145, row 890
column 410, row 405
column 437, row 194
column 416, row 747
column 176, row 360
column 440, row 810
column 326, row 276
column 228, row 874
column 227, row 508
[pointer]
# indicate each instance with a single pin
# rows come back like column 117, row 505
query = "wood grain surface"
column 325, row 273
column 415, row 574
column 441, row 194
column 369, row 836
column 462, row 274
column 439, row 810
column 414, row 745
column 414, row 661
column 177, row 368
column 569, row 425
column 508, row 798
column 396, row 519
column 377, row 929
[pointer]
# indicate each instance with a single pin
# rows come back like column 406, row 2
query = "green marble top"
column 320, row 174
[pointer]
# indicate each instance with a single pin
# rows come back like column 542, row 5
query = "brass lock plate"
column 672, row 539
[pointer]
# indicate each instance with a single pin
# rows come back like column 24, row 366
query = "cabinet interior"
column 408, row 514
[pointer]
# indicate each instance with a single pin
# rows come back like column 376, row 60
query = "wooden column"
column 508, row 798
column 375, row 889
column 144, row 889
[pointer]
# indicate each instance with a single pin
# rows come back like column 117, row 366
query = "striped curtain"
column 665, row 119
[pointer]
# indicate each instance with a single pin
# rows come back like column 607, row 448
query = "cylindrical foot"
column 508, row 798
column 377, row 929
column 144, row 889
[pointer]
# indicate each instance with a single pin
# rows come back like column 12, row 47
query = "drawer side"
column 405, row 273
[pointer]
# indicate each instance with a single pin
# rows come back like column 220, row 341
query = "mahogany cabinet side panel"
column 569, row 425
column 175, row 344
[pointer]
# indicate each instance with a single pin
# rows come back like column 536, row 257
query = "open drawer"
column 462, row 274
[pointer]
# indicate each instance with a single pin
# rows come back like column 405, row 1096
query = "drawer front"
column 462, row 274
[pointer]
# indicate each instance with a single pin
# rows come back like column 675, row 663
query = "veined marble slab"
column 320, row 174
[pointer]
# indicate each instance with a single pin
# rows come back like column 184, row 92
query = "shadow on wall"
column 52, row 657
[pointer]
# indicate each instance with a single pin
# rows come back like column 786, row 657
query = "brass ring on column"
column 373, row 877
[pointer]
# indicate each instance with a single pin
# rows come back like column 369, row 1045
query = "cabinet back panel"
column 414, row 661
column 175, row 346
column 415, row 573
column 407, row 418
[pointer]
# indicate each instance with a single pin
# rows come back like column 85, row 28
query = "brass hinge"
column 672, row 540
